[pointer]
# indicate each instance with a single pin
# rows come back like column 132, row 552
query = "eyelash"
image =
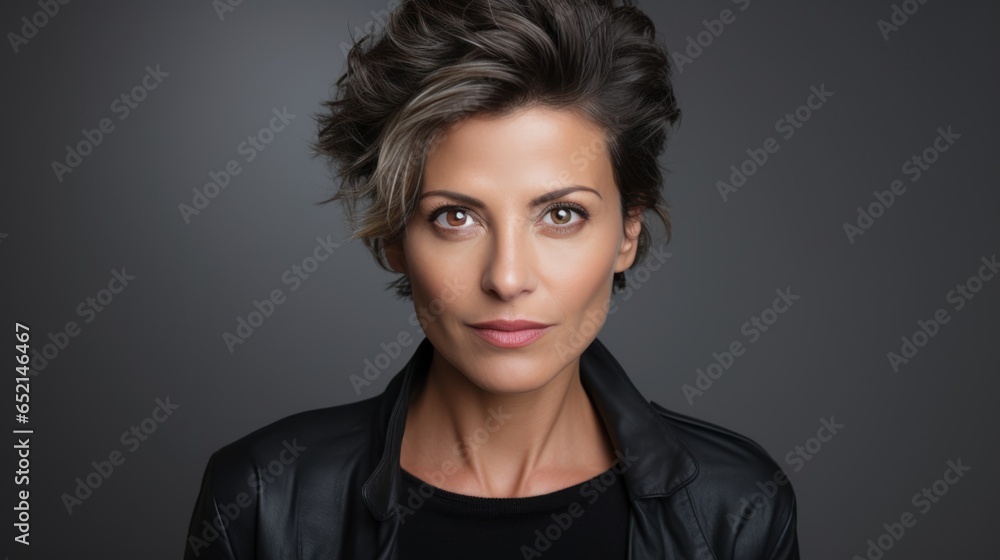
column 432, row 216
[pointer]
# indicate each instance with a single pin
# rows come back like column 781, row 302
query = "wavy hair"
column 436, row 62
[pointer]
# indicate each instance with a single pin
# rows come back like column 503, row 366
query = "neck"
column 464, row 439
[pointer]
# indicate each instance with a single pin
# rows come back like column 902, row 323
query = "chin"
column 510, row 372
column 504, row 382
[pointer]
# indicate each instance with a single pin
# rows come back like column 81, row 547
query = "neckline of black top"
column 439, row 498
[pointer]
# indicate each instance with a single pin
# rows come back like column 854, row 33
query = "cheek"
column 579, row 267
column 439, row 279
column 581, row 288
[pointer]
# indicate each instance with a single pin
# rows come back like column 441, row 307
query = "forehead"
column 535, row 149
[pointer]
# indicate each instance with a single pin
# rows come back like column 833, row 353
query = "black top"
column 588, row 520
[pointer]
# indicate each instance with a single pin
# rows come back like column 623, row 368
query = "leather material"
column 324, row 483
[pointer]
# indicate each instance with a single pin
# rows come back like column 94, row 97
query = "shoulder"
column 740, row 494
column 727, row 457
column 322, row 435
column 277, row 459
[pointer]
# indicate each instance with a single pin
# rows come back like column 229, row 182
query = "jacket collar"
column 660, row 463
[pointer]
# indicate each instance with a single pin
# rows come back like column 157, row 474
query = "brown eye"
column 562, row 216
column 459, row 218
column 454, row 218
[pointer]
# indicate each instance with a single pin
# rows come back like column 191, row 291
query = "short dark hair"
column 440, row 61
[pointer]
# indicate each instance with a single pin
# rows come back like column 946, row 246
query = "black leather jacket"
column 324, row 483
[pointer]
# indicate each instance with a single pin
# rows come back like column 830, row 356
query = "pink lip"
column 509, row 334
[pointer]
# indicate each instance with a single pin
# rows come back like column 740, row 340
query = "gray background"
column 826, row 356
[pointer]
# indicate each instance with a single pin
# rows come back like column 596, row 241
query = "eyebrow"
column 537, row 201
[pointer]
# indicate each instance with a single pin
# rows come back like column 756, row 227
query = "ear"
column 630, row 244
column 396, row 256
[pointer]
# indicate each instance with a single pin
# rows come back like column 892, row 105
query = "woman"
column 500, row 156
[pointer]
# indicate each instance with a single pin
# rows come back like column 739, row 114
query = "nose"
column 510, row 266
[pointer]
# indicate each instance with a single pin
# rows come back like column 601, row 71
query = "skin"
column 508, row 260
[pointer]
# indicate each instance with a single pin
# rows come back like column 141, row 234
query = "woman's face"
column 483, row 246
